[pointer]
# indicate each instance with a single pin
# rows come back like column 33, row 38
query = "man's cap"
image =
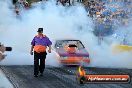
column 40, row 30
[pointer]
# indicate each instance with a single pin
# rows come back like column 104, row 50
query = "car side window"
column 58, row 44
column 79, row 45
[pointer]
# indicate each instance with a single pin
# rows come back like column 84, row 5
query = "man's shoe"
column 35, row 75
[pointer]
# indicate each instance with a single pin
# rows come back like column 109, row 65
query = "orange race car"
column 71, row 52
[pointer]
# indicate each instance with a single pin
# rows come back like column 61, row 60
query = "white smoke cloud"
column 59, row 23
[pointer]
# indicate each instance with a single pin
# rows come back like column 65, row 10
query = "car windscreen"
column 62, row 43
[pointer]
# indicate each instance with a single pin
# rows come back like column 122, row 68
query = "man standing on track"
column 39, row 45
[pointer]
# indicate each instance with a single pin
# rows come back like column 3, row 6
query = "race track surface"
column 56, row 77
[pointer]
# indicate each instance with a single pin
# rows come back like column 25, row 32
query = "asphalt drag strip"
column 21, row 76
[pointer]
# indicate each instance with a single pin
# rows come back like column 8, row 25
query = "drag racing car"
column 71, row 52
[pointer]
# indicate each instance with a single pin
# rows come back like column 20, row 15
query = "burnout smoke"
column 59, row 23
